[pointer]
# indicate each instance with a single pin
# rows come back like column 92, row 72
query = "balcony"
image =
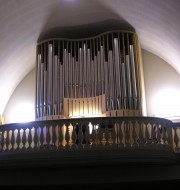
column 124, row 140
column 67, row 151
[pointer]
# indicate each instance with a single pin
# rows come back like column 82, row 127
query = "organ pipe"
column 102, row 69
column 128, row 81
column 111, row 81
column 49, row 94
column 101, row 66
column 61, row 83
column 65, row 73
column 133, row 76
column 88, row 73
column 38, row 87
column 80, row 75
column 116, row 60
column 42, row 89
column 73, row 77
column 45, row 93
column 124, row 86
column 55, row 84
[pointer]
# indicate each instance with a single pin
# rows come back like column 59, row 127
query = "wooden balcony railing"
column 90, row 133
column 176, row 137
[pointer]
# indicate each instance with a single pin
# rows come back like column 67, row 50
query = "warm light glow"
column 88, row 115
column 23, row 112
column 166, row 103
column 1, row 120
column 91, row 127
column 85, row 107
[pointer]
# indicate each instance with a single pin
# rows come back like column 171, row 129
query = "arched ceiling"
column 24, row 22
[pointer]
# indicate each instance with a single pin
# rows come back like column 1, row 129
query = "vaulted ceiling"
column 25, row 22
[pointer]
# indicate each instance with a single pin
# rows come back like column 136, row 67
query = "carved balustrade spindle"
column 80, row 136
column 36, row 138
column 164, row 135
column 93, row 136
column 158, row 134
column 153, row 133
column 176, row 139
column 54, row 137
column 67, row 136
column 87, row 137
column 2, row 140
column 120, row 134
column 7, row 140
column 41, row 138
column 13, row 140
column 147, row 136
column 48, row 137
column 18, row 140
column 114, row 135
column 141, row 140
column 24, row 140
column 100, row 135
column 169, row 136
column 134, row 134
column 107, row 135
column 30, row 139
column 60, row 136
column 127, row 133
column 74, row 137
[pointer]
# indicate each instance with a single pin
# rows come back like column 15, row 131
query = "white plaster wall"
column 21, row 105
column 159, row 78
column 162, row 87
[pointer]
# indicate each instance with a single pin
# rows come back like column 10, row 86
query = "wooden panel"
column 55, row 117
column 120, row 113
column 131, row 113
column 81, row 107
column 70, row 112
column 77, row 107
column 113, row 113
column 66, row 111
column 94, row 105
column 126, row 112
column 86, row 110
column 97, row 104
column 74, row 107
column 49, row 117
column 90, row 106
column 103, row 105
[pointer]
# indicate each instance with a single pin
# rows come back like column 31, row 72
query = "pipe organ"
column 91, row 77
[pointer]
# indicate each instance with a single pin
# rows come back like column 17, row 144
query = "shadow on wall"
column 85, row 31
column 80, row 20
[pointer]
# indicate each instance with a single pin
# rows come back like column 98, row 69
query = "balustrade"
column 89, row 133
column 176, row 137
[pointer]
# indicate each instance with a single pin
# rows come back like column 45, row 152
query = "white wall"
column 162, row 87
column 21, row 106
column 162, row 90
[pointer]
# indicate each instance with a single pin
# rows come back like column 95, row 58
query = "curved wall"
column 162, row 89
column 20, row 107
